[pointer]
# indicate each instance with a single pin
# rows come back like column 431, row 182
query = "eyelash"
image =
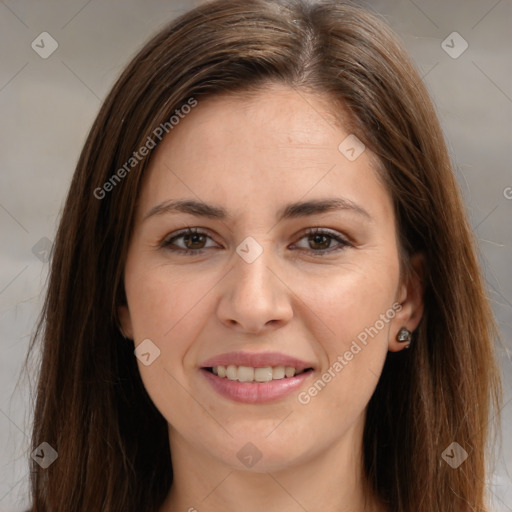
column 168, row 241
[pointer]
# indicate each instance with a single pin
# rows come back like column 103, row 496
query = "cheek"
column 162, row 299
column 168, row 307
column 352, row 316
column 350, row 300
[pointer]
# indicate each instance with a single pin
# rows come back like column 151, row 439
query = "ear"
column 125, row 321
column 410, row 298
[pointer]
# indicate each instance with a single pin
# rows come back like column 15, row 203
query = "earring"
column 122, row 333
column 404, row 336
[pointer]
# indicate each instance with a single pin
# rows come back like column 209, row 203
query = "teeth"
column 245, row 374
column 249, row 374
column 289, row 371
column 263, row 374
column 278, row 372
column 231, row 372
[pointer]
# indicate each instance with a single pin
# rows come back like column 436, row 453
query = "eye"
column 193, row 241
column 319, row 241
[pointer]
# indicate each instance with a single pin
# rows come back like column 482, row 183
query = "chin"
column 260, row 455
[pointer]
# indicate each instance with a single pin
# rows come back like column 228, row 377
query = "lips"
column 255, row 377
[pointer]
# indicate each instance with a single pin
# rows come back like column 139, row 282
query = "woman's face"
column 257, row 290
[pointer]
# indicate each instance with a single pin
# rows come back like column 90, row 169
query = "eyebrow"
column 290, row 211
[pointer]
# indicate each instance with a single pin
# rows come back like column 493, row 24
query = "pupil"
column 317, row 239
column 194, row 239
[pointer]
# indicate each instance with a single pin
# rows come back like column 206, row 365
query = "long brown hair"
column 91, row 403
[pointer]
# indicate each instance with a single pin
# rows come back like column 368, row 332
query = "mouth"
column 255, row 378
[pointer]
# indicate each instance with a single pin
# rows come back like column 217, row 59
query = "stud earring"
column 404, row 336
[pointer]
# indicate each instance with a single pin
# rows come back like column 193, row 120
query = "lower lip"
column 255, row 392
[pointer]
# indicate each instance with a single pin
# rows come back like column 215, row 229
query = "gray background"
column 47, row 107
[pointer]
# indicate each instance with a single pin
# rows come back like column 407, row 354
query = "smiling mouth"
column 256, row 375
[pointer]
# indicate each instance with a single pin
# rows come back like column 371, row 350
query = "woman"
column 263, row 219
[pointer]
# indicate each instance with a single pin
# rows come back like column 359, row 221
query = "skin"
column 252, row 155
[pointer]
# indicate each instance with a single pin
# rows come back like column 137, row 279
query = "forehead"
column 274, row 115
column 241, row 148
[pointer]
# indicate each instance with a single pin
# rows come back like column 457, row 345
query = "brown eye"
column 189, row 241
column 320, row 242
column 194, row 241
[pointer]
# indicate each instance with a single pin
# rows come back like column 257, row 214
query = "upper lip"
column 256, row 360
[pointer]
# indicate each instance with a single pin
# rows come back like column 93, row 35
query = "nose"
column 255, row 297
